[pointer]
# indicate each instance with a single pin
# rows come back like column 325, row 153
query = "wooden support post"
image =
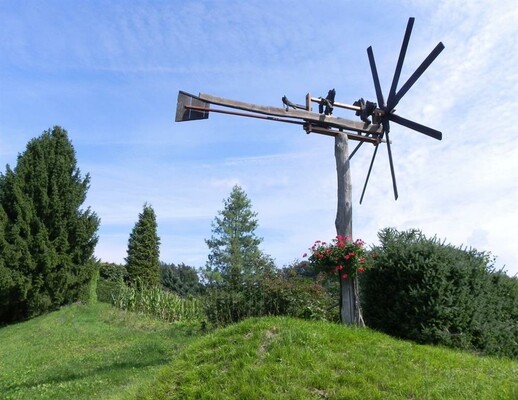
column 350, row 311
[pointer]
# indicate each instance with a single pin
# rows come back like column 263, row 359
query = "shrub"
column 424, row 290
column 111, row 276
column 274, row 293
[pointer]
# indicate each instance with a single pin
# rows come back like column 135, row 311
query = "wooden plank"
column 330, row 132
column 320, row 119
column 183, row 113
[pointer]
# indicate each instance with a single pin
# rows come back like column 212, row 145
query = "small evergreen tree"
column 181, row 279
column 234, row 246
column 143, row 262
column 47, row 239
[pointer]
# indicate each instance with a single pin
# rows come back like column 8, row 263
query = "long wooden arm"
column 318, row 119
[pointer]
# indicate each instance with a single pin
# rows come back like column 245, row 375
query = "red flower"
column 361, row 269
column 344, row 276
column 340, row 267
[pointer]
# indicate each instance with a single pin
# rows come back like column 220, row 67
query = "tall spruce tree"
column 48, row 239
column 234, row 246
column 143, row 262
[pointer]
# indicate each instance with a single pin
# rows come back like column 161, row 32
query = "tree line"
column 413, row 287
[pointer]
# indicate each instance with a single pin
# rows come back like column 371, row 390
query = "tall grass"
column 166, row 306
column 286, row 358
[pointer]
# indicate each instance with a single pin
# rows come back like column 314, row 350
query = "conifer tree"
column 143, row 261
column 234, row 246
column 50, row 239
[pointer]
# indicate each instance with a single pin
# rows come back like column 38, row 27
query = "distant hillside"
column 282, row 358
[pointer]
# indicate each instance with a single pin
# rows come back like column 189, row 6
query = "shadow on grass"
column 65, row 374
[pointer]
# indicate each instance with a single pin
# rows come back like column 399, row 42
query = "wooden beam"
column 242, row 114
column 318, row 119
column 353, row 136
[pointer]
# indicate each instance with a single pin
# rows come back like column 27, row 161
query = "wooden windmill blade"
column 387, row 109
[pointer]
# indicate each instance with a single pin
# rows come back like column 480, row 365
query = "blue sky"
column 109, row 72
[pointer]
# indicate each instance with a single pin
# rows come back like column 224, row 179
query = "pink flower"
column 344, row 276
column 340, row 267
column 361, row 269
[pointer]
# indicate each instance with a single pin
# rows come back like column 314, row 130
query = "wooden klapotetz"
column 373, row 128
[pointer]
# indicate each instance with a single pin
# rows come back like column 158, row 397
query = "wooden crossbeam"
column 310, row 117
column 309, row 128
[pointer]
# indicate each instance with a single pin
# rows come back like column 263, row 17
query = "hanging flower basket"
column 342, row 256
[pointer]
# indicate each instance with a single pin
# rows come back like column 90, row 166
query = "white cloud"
column 111, row 76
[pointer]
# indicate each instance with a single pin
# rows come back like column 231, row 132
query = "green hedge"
column 422, row 289
column 111, row 276
column 270, row 294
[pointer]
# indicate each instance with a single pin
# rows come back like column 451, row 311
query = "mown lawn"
column 85, row 352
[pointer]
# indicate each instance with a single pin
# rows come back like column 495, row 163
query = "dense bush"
column 275, row 293
column 425, row 290
column 111, row 276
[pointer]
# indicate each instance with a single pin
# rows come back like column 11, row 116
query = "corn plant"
column 166, row 306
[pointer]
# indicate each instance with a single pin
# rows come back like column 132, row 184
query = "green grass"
column 283, row 358
column 85, row 352
column 99, row 352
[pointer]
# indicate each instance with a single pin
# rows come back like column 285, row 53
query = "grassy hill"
column 85, row 352
column 283, row 358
